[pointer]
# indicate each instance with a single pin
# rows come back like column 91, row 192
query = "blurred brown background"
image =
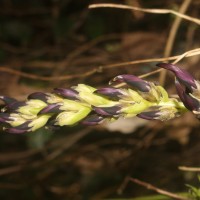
column 42, row 41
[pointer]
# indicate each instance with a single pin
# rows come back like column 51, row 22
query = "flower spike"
column 90, row 106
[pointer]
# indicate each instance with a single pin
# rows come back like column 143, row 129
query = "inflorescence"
column 90, row 106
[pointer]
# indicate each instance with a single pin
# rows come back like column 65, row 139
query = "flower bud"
column 187, row 87
column 164, row 113
column 110, row 92
column 23, row 128
column 108, row 111
column 67, row 93
column 51, row 108
column 93, row 120
column 39, row 95
column 132, row 81
column 7, row 100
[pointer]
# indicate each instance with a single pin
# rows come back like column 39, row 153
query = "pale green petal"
column 163, row 94
column 33, row 107
column 134, row 96
column 71, row 118
column 36, row 103
column 71, row 105
column 17, row 119
column 84, row 88
column 53, row 98
column 39, row 122
column 136, row 108
column 86, row 95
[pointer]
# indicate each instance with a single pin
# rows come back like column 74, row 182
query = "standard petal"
column 183, row 76
column 67, row 93
column 151, row 115
column 189, row 102
column 23, row 128
column 5, row 117
column 92, row 120
column 107, row 111
column 16, row 130
column 109, row 92
column 7, row 100
column 39, row 95
column 15, row 106
column 132, row 81
column 52, row 108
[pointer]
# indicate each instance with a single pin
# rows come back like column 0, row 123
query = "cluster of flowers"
column 87, row 105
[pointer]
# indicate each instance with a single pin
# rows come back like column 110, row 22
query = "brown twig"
column 172, row 36
column 146, row 10
column 10, row 170
column 189, row 169
column 151, row 187
column 177, row 58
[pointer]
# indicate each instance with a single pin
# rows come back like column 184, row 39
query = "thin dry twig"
column 172, row 36
column 146, row 10
column 156, row 189
column 189, row 169
column 43, row 78
column 10, row 170
column 177, row 58
column 151, row 187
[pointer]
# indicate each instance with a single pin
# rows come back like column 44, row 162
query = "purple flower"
column 39, row 95
column 23, row 128
column 7, row 100
column 93, row 120
column 183, row 76
column 67, row 93
column 109, row 92
column 187, row 87
column 5, row 117
column 132, row 81
column 107, row 111
column 52, row 108
column 149, row 115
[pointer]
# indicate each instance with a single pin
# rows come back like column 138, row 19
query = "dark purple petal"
column 5, row 117
column 7, row 100
column 107, row 111
column 189, row 102
column 92, row 120
column 109, row 92
column 183, row 76
column 52, row 108
column 16, row 105
column 151, row 115
column 67, row 93
column 132, row 81
column 16, row 130
column 23, row 128
column 39, row 95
